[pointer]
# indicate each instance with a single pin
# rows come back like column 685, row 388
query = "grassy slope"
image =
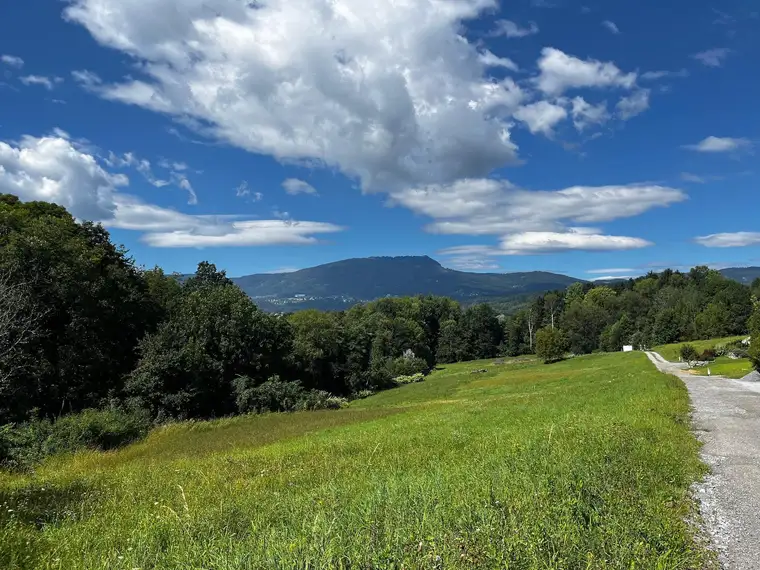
column 723, row 366
column 672, row 351
column 582, row 464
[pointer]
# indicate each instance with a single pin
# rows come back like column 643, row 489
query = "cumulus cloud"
column 51, row 169
column 734, row 239
column 295, row 186
column 541, row 117
column 56, row 169
column 560, row 72
column 712, row 57
column 720, row 144
column 585, row 114
column 510, row 29
column 390, row 93
column 634, row 104
column 611, row 26
column 47, row 82
column 12, row 61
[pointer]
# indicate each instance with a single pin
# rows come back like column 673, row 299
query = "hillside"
column 745, row 275
column 582, row 464
column 343, row 283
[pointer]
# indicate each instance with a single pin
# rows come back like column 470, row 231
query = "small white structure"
column 628, row 348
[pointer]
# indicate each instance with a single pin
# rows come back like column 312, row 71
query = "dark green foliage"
column 708, row 355
column 26, row 444
column 688, row 353
column 214, row 334
column 551, row 344
column 275, row 395
column 93, row 308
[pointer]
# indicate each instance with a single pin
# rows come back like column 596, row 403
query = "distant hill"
column 745, row 275
column 344, row 283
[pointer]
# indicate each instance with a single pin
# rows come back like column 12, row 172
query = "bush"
column 276, row 395
column 401, row 380
column 688, row 353
column 29, row 443
column 708, row 355
column 721, row 350
column 551, row 345
column 404, row 366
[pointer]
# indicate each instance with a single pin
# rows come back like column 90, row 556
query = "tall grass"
column 583, row 464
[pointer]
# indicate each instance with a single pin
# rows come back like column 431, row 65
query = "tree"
column 450, row 346
column 584, row 323
column 551, row 344
column 481, row 331
column 317, row 340
column 92, row 303
column 552, row 303
column 214, row 334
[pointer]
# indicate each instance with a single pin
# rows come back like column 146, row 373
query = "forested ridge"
column 85, row 328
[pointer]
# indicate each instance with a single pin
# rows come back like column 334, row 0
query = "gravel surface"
column 727, row 420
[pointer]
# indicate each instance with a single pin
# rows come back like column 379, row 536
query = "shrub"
column 551, row 345
column 404, row 366
column 24, row 445
column 400, row 380
column 276, row 395
column 708, row 355
column 721, row 350
column 689, row 353
column 361, row 394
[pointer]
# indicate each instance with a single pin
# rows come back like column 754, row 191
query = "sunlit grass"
column 672, row 351
column 725, row 366
column 582, row 464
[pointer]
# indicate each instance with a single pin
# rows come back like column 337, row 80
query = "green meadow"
column 584, row 464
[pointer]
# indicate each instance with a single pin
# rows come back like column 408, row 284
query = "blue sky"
column 592, row 138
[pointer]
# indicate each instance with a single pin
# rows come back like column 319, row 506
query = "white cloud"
column 735, row 239
column 510, row 29
column 713, row 57
column 613, row 270
column 541, row 117
column 12, row 60
column 388, row 92
column 492, row 207
column 295, row 186
column 242, row 190
column 560, row 72
column 488, row 59
column 611, row 26
column 586, row 114
column 655, row 75
column 720, row 144
column 51, row 169
column 634, row 104
column 46, row 82
column 553, row 242
column 534, row 243
column 613, row 277
column 56, row 169
column 143, row 166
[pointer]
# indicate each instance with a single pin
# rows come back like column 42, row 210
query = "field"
column 584, row 464
column 671, row 351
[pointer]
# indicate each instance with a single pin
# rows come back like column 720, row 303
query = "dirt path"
column 727, row 421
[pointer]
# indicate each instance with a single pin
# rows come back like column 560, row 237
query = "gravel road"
column 727, row 421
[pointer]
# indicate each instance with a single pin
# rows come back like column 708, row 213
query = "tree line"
column 83, row 327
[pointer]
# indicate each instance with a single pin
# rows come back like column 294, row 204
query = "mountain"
column 745, row 275
column 344, row 283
